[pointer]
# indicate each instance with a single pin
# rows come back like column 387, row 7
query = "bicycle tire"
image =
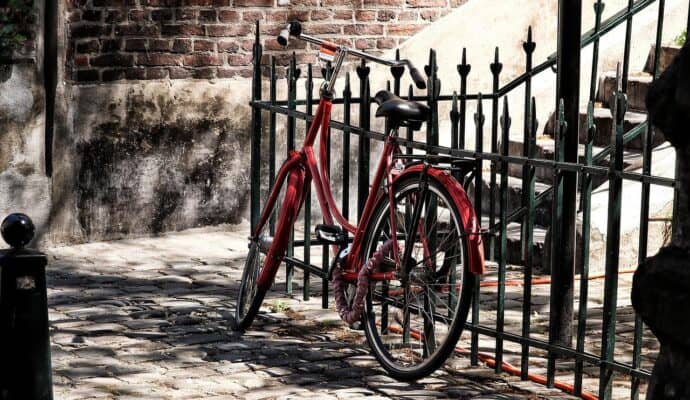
column 251, row 295
column 379, row 327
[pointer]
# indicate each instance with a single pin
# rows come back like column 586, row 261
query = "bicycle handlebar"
column 295, row 29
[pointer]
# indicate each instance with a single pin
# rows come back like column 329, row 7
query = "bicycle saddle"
column 400, row 112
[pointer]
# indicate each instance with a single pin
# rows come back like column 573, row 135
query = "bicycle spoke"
column 429, row 331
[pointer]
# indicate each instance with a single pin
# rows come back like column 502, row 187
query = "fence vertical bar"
column 626, row 49
column 347, row 99
column 563, row 256
column 556, row 222
column 255, row 175
column 272, row 138
column 530, row 178
column 433, row 90
column 528, row 182
column 479, row 120
column 503, row 255
column 409, row 133
column 397, row 73
column 463, row 69
column 644, row 206
column 598, row 10
column 432, row 138
column 309, row 86
column 325, row 254
column 454, row 118
column 613, row 240
column 364, row 143
column 496, row 68
column 586, row 205
column 293, row 74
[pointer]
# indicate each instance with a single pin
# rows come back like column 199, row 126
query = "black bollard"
column 25, row 370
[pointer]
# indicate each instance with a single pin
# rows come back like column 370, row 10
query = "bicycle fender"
column 465, row 208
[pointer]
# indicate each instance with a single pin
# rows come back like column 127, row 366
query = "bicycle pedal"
column 331, row 234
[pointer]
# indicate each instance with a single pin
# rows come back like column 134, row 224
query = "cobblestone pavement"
column 148, row 318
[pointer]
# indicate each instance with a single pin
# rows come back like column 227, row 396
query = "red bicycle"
column 407, row 273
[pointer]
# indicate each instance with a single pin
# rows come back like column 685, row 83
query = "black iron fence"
column 566, row 167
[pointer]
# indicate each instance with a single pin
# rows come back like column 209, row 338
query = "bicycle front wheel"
column 266, row 251
column 413, row 324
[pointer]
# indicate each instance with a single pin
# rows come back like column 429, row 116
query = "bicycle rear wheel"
column 266, row 251
column 413, row 326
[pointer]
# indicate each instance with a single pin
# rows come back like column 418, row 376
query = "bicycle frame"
column 305, row 161
column 305, row 164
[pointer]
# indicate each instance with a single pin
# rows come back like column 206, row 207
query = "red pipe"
column 509, row 368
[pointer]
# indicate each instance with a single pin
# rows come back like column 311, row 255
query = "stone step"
column 543, row 211
column 604, row 123
column 667, row 54
column 638, row 86
column 514, row 243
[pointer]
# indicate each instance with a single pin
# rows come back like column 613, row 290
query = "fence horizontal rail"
column 564, row 351
column 358, row 100
column 556, row 165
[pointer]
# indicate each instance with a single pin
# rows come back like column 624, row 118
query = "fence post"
column 568, row 89
column 256, row 134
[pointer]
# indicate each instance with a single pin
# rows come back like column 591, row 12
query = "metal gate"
column 569, row 173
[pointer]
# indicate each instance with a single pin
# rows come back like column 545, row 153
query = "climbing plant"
column 16, row 19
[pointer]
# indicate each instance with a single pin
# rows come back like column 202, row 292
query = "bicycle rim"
column 412, row 327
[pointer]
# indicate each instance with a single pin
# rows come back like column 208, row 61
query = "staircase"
column 638, row 85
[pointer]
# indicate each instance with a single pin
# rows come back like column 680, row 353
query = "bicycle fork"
column 294, row 197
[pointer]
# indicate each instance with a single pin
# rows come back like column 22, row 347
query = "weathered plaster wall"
column 23, row 184
column 151, row 157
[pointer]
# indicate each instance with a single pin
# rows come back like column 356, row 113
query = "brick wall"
column 112, row 40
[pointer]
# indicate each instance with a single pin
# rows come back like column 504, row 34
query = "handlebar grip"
column 284, row 37
column 294, row 28
column 417, row 77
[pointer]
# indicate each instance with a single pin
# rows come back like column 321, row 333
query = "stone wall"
column 152, row 123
